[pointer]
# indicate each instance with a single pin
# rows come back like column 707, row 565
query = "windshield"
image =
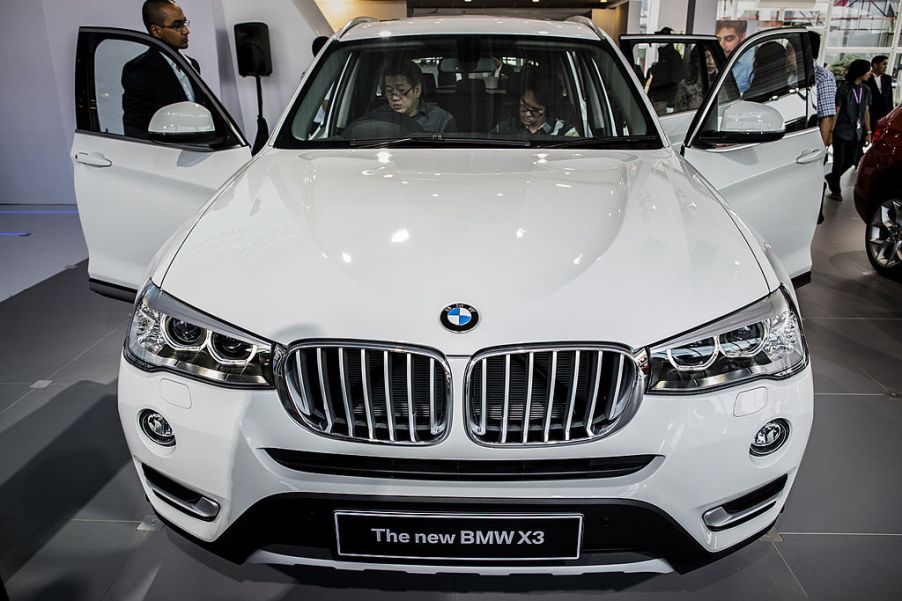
column 469, row 90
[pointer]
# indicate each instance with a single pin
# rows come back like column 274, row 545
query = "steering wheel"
column 381, row 124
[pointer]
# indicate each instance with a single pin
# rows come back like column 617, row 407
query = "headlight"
column 762, row 340
column 167, row 334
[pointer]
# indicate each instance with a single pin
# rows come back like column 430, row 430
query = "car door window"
column 105, row 56
column 676, row 74
column 775, row 69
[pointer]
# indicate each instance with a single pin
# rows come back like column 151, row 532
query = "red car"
column 878, row 196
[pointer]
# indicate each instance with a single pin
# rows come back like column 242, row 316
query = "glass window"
column 863, row 24
column 478, row 90
column 772, row 71
column 109, row 59
column 676, row 76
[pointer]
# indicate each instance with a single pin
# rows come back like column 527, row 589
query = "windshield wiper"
column 618, row 141
column 436, row 140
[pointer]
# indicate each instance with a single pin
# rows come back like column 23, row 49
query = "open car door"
column 132, row 193
column 775, row 185
column 677, row 71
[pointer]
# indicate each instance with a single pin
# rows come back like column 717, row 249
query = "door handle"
column 809, row 156
column 94, row 159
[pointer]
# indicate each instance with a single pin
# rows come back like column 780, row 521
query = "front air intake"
column 367, row 392
column 550, row 395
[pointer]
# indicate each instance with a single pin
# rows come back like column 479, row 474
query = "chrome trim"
column 550, row 405
column 295, row 398
column 411, row 413
column 507, row 397
column 204, row 509
column 327, row 406
column 528, row 408
column 630, row 398
column 719, row 518
column 568, row 421
column 389, row 403
column 344, row 391
column 594, row 395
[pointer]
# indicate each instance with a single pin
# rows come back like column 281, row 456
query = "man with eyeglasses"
column 153, row 80
column 535, row 115
column 402, row 86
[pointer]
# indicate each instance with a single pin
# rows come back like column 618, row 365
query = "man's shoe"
column 833, row 185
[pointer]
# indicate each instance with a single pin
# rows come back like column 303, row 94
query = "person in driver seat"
column 402, row 85
column 535, row 114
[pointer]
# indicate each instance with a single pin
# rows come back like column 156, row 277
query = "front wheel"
column 883, row 238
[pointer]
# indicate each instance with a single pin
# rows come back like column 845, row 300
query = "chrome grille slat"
column 549, row 406
column 572, row 400
column 368, row 408
column 596, row 380
column 389, row 405
column 526, row 410
column 541, row 395
column 411, row 410
column 392, row 394
column 349, row 412
column 327, row 406
column 507, row 394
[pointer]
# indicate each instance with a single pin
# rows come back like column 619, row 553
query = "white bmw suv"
column 469, row 347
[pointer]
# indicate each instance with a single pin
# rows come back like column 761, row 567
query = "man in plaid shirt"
column 825, row 86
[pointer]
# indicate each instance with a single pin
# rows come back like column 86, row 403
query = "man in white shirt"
column 153, row 80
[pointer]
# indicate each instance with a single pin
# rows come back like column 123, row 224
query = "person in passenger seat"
column 402, row 85
column 535, row 114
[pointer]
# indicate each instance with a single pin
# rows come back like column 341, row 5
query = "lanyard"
column 857, row 96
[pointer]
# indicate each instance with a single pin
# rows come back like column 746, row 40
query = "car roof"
column 471, row 24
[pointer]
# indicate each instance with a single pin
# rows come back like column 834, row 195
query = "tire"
column 883, row 237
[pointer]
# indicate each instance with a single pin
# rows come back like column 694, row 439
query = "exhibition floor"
column 74, row 523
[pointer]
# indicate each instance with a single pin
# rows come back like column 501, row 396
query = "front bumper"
column 646, row 520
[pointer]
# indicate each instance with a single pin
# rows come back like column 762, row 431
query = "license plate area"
column 489, row 537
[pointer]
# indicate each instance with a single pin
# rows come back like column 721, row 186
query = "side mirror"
column 182, row 123
column 746, row 122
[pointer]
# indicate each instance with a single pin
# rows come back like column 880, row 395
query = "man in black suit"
column 881, row 86
column 152, row 80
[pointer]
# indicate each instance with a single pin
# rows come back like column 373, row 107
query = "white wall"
column 37, row 63
column 293, row 25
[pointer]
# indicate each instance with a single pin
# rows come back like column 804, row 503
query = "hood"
column 548, row 245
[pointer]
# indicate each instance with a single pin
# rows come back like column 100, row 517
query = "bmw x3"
column 444, row 340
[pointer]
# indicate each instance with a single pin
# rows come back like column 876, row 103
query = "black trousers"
column 845, row 153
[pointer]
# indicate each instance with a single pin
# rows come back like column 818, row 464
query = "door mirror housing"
column 746, row 122
column 182, row 123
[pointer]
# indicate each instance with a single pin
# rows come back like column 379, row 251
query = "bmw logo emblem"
column 459, row 317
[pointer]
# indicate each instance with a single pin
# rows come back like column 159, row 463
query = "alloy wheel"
column 884, row 236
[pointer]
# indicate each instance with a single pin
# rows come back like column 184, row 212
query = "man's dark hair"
column 407, row 68
column 878, row 59
column 541, row 88
column 741, row 27
column 152, row 12
column 856, row 69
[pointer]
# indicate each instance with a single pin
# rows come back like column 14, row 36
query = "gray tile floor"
column 74, row 523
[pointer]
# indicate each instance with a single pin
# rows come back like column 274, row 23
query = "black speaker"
column 252, row 47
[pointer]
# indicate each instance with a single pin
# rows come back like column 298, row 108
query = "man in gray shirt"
column 402, row 85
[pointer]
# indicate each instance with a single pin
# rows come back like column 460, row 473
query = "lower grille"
column 367, row 392
column 460, row 470
column 541, row 395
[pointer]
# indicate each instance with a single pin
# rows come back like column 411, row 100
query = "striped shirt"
column 826, row 92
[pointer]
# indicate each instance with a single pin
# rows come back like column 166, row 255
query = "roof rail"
column 353, row 23
column 588, row 23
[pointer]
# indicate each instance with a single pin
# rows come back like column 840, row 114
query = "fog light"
column 156, row 428
column 770, row 437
